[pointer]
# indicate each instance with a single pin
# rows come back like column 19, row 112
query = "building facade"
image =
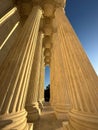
column 35, row 34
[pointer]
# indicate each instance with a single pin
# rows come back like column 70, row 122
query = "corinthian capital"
column 49, row 6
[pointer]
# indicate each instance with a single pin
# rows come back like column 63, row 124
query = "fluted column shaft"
column 15, row 73
column 32, row 96
column 52, row 79
column 41, row 82
column 81, row 76
column 62, row 102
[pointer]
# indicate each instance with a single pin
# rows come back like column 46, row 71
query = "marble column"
column 41, row 82
column 60, row 87
column 15, row 73
column 83, row 81
column 32, row 105
column 54, row 97
column 52, row 79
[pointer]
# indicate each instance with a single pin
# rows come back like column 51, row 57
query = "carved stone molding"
column 47, row 52
column 47, row 42
column 47, row 26
column 47, row 60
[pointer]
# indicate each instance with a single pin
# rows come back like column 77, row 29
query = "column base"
column 33, row 112
column 14, row 121
column 83, row 120
column 61, row 116
column 40, row 105
column 30, row 126
column 61, row 112
column 67, row 126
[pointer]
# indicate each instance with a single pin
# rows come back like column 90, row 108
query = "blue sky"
column 47, row 76
column 83, row 16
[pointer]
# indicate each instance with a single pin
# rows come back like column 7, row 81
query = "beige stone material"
column 5, row 6
column 30, row 126
column 53, row 80
column 47, row 42
column 67, row 126
column 82, row 78
column 47, row 52
column 61, row 103
column 41, row 82
column 17, row 67
column 49, row 9
column 48, row 120
column 32, row 96
column 46, row 38
column 9, row 30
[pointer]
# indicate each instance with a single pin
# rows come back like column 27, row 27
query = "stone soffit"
column 25, row 6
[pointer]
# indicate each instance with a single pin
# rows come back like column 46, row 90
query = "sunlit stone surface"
column 35, row 34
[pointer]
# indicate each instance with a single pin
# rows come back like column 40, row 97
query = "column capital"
column 47, row 26
column 56, row 3
column 49, row 6
column 47, row 42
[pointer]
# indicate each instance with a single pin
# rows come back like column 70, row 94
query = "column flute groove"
column 76, row 61
column 83, row 80
column 17, row 67
column 32, row 105
column 41, row 82
column 67, row 65
column 62, row 104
